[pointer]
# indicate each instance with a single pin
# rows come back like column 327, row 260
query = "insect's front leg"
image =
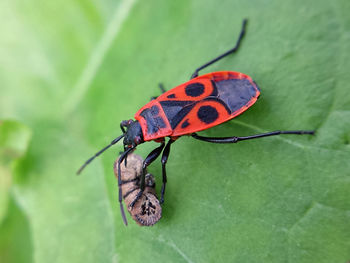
column 149, row 159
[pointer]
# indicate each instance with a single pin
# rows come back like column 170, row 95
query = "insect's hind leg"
column 235, row 139
column 162, row 89
column 232, row 50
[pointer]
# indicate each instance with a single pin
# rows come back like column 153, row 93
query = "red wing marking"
column 235, row 93
column 198, row 104
column 193, row 90
column 205, row 114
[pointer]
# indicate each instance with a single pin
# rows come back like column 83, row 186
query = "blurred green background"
column 72, row 70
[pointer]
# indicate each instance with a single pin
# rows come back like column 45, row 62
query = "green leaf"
column 14, row 140
column 73, row 70
column 69, row 213
column 15, row 239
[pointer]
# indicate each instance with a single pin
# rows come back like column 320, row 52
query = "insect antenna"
column 122, row 157
column 98, row 153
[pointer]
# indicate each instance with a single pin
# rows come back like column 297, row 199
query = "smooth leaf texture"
column 72, row 71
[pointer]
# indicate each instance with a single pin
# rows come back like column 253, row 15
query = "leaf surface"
column 74, row 70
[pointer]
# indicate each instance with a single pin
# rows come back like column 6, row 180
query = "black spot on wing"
column 171, row 108
column 235, row 93
column 194, row 89
column 180, row 116
column 171, row 96
column 185, row 124
column 175, row 111
column 207, row 114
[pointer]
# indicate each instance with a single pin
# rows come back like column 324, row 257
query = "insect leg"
column 195, row 74
column 165, row 156
column 235, row 139
column 162, row 89
column 149, row 159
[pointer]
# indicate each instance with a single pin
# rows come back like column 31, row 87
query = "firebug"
column 198, row 104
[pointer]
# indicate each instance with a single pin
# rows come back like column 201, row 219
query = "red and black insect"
column 201, row 103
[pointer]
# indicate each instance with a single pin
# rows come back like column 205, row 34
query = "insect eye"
column 137, row 139
column 126, row 123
